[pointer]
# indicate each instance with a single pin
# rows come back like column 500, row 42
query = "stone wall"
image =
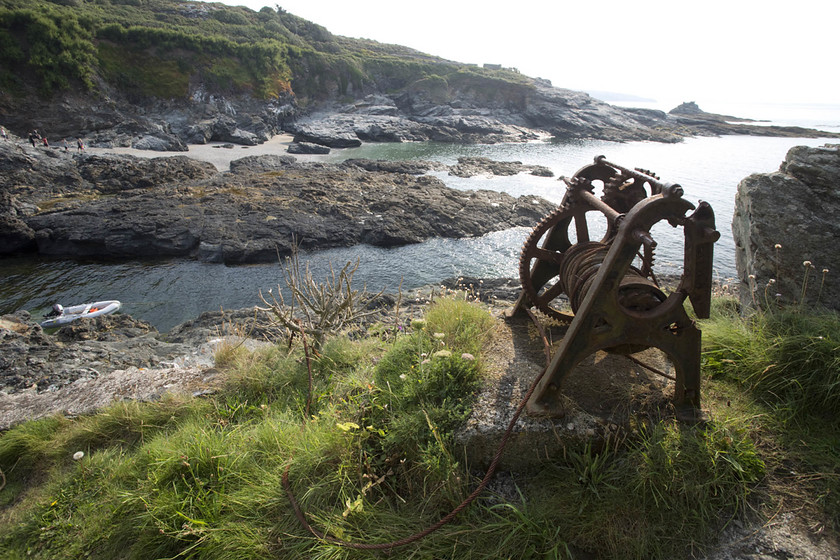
column 787, row 225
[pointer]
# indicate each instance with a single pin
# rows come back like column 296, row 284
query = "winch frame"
column 601, row 321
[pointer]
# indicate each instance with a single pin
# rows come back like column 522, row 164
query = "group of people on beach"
column 35, row 138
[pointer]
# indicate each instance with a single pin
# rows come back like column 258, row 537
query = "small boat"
column 63, row 315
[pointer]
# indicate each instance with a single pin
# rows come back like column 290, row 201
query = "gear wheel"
column 543, row 253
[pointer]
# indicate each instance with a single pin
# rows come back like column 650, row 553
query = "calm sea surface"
column 167, row 293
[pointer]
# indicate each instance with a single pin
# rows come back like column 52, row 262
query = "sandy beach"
column 219, row 154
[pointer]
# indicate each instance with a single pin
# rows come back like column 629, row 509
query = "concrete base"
column 599, row 396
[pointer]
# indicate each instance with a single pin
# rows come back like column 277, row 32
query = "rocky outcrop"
column 690, row 118
column 252, row 216
column 469, row 112
column 687, row 108
column 111, row 207
column 785, row 228
column 30, row 358
column 307, row 148
column 527, row 113
column 111, row 119
column 411, row 167
column 472, row 166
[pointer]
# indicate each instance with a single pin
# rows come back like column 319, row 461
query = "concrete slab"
column 598, row 396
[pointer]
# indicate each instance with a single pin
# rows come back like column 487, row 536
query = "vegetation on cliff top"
column 160, row 47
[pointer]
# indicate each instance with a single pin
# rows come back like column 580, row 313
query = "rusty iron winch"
column 616, row 302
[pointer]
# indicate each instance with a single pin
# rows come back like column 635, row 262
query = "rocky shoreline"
column 106, row 207
column 89, row 363
column 531, row 110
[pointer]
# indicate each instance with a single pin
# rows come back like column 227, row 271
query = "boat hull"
column 85, row 310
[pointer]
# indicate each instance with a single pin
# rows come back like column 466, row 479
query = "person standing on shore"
column 3, row 133
column 32, row 136
column 46, row 144
column 79, row 144
column 64, row 143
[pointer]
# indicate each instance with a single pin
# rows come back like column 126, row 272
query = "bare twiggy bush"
column 317, row 309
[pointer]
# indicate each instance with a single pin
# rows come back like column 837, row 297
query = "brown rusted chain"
column 650, row 368
column 491, row 470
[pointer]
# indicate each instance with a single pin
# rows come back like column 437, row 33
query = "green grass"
column 783, row 367
column 375, row 461
column 158, row 47
column 788, row 358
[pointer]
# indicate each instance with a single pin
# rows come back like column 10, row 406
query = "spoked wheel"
column 544, row 252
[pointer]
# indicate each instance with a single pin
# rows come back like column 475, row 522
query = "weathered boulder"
column 784, row 220
column 307, row 148
column 159, row 143
column 260, row 164
column 333, row 133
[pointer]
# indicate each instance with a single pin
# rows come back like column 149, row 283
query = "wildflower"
column 751, row 276
column 807, row 264
column 418, row 323
column 442, row 354
column 825, row 271
column 402, row 376
column 77, row 456
column 423, row 355
column 778, row 246
column 467, row 356
column 439, row 335
column 771, row 281
column 426, row 361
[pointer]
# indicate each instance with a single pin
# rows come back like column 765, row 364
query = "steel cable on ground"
column 491, row 470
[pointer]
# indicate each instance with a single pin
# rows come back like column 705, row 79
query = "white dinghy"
column 64, row 315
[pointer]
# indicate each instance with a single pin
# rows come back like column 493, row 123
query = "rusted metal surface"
column 606, row 289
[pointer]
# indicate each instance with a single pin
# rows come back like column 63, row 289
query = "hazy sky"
column 707, row 51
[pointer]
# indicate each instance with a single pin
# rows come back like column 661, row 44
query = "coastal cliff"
column 161, row 75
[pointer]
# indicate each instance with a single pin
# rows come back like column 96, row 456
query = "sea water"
column 166, row 293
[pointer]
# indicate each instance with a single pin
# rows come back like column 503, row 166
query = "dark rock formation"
column 30, row 358
column 261, row 164
column 785, row 219
column 686, row 108
column 412, row 167
column 472, row 166
column 114, row 120
column 111, row 207
column 307, row 148
column 474, row 111
column 690, row 118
